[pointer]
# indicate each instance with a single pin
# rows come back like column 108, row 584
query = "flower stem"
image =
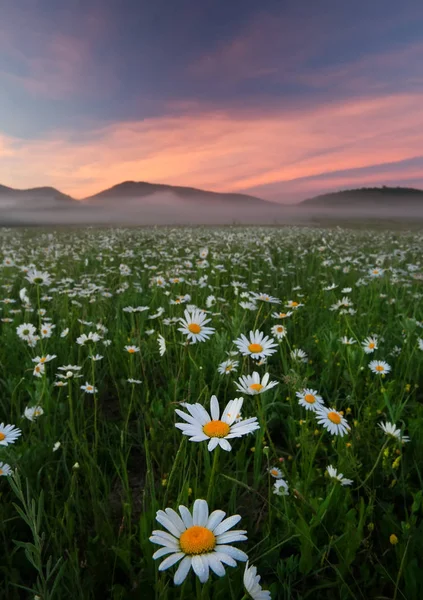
column 213, row 475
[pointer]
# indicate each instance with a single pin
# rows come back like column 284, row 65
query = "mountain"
column 392, row 197
column 34, row 197
column 141, row 189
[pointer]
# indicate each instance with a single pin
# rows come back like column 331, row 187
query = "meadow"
column 269, row 373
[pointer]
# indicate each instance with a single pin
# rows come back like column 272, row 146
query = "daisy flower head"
column 275, row 472
column 279, row 331
column 391, row 430
column 227, row 366
column 39, row 370
column 32, row 412
column 299, row 355
column 265, row 298
column 200, row 426
column 5, row 469
column 162, row 344
column 376, row 272
column 281, row 488
column 25, row 331
column 199, row 540
column 333, row 474
column 282, row 315
column 347, row 341
column 193, row 326
column 332, row 420
column 131, row 349
column 88, row 388
column 258, row 346
column 369, row 344
column 8, row 434
column 252, row 584
column 379, row 367
column 38, row 277
column 293, row 304
column 310, row 399
column 254, row 384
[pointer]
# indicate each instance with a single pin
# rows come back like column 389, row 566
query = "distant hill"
column 44, row 194
column 142, row 189
column 368, row 197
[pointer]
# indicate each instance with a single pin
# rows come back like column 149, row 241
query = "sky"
column 279, row 99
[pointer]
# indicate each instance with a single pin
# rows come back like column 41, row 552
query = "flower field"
column 211, row 414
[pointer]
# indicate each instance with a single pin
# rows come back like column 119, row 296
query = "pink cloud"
column 224, row 151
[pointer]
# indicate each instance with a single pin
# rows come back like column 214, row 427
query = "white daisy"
column 347, row 341
column 38, row 277
column 252, row 584
column 227, row 366
column 280, row 488
column 391, row 430
column 193, row 326
column 279, row 331
column 380, row 367
column 25, row 331
column 369, row 345
column 282, row 315
column 299, row 355
column 88, row 388
column 131, row 349
column 32, row 412
column 199, row 539
column 265, row 298
column 5, row 469
column 310, row 399
column 39, row 370
column 333, row 474
column 253, row 384
column 293, row 304
column 8, row 434
column 276, row 473
column 162, row 344
column 332, row 420
column 258, row 346
column 201, row 427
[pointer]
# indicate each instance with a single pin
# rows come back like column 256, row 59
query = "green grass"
column 75, row 522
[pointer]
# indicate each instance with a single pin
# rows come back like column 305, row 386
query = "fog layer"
column 170, row 209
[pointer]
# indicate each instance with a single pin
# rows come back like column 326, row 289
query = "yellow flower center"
column 371, row 346
column 2, row 436
column 375, row 271
column 1, row 471
column 256, row 387
column 311, row 399
column 229, row 368
column 379, row 368
column 334, row 417
column 194, row 328
column 131, row 350
column 42, row 359
column 294, row 303
column 274, row 472
column 282, row 315
column 197, row 540
column 255, row 348
column 217, row 429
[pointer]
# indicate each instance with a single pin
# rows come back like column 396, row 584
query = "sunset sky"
column 279, row 99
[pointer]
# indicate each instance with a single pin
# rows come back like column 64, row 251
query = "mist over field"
column 167, row 208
